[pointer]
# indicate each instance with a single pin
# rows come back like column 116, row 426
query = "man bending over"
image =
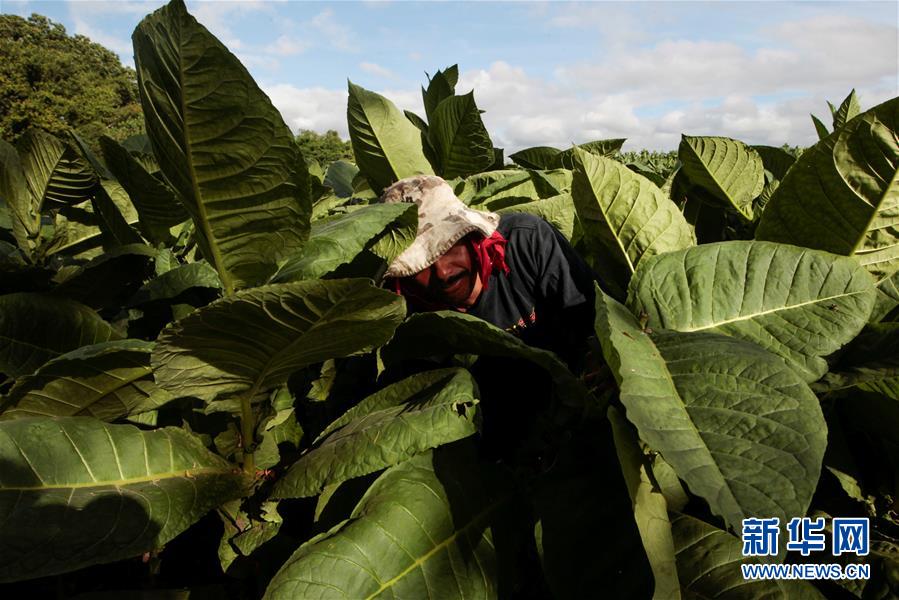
column 515, row 271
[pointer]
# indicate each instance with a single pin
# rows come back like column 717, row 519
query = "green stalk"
column 247, row 427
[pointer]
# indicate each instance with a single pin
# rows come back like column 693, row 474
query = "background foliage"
column 56, row 82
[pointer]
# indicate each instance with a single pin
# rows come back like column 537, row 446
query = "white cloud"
column 316, row 108
column 321, row 109
column 823, row 55
column 617, row 28
column 219, row 17
column 377, row 70
column 287, row 45
column 119, row 45
column 522, row 111
column 338, row 36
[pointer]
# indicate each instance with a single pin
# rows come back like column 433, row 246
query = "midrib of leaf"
column 247, row 420
column 374, row 135
column 615, row 234
column 767, row 312
column 457, row 129
column 418, row 562
column 709, row 172
column 39, row 201
column 680, row 404
column 227, row 284
column 861, row 238
column 98, row 394
column 724, row 482
column 116, row 483
column 6, row 338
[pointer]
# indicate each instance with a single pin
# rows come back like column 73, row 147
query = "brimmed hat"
column 443, row 220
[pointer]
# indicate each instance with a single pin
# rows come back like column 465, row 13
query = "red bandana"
column 490, row 253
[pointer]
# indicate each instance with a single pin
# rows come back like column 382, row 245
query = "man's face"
column 452, row 280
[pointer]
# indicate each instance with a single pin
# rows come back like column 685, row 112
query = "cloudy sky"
column 550, row 73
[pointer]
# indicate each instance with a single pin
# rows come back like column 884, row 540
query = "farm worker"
column 515, row 270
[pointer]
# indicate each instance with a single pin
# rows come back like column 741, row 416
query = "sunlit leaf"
column 76, row 491
column 386, row 146
column 798, row 303
column 253, row 341
column 842, row 195
column 35, row 328
column 413, row 415
column 734, row 421
column 729, row 170
column 222, row 146
column 105, row 381
column 421, row 531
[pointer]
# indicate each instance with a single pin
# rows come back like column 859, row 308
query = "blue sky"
column 550, row 73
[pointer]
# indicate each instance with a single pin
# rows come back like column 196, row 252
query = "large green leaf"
column 459, row 137
column 708, row 564
column 248, row 343
column 581, row 501
column 848, row 110
column 737, row 425
column 729, row 170
column 14, row 191
column 56, row 175
column 396, row 237
column 800, row 304
column 336, row 241
column 440, row 87
column 421, row 531
column 518, row 187
column 154, row 200
column 105, row 381
column 842, row 195
column 176, row 281
column 340, row 177
column 76, row 232
column 386, row 146
column 625, row 218
column 404, row 419
column 222, row 146
column 820, row 127
column 35, row 328
column 558, row 211
column 605, row 148
column 115, row 214
column 109, row 279
column 777, row 161
column 869, row 362
column 466, row 189
column 75, row 491
column 447, row 332
column 650, row 507
column 538, row 157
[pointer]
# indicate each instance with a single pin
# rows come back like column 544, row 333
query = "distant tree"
column 324, row 148
column 55, row 82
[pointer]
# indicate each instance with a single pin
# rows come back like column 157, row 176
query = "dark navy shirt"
column 547, row 299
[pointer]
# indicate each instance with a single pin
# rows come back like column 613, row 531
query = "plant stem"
column 247, row 433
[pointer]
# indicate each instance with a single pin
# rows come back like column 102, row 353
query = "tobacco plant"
column 192, row 324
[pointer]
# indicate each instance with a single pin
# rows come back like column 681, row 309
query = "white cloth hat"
column 443, row 220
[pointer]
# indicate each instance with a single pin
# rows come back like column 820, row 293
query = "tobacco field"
column 205, row 391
